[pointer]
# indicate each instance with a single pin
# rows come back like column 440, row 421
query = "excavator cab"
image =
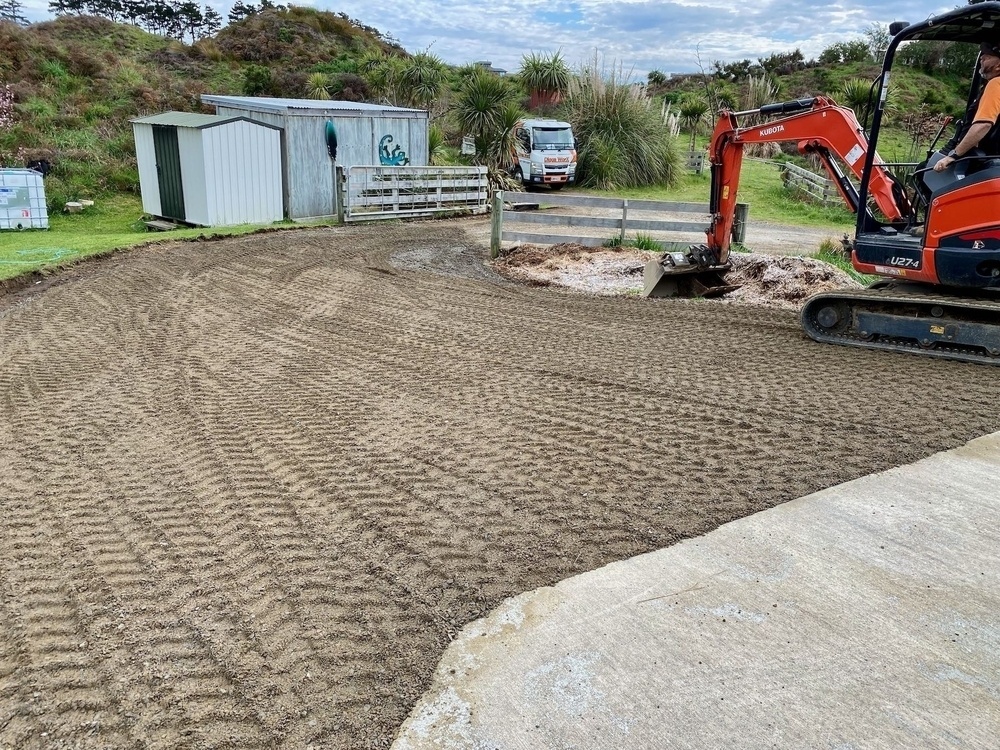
column 959, row 246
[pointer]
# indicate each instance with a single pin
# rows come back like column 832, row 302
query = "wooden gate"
column 372, row 192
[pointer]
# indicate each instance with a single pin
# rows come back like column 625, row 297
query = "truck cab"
column 546, row 153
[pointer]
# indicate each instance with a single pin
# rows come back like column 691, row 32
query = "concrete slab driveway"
column 863, row 616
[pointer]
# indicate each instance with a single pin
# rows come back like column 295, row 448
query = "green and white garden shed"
column 366, row 134
column 209, row 170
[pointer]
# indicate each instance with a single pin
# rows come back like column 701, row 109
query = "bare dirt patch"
column 782, row 282
column 251, row 488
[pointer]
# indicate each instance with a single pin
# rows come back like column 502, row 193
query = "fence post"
column 624, row 218
column 338, row 190
column 740, row 222
column 496, row 224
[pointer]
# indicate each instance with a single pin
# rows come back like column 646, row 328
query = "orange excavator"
column 937, row 250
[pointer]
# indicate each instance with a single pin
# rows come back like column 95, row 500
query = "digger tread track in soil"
column 915, row 302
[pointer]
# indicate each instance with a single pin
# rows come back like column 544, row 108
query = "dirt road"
column 250, row 488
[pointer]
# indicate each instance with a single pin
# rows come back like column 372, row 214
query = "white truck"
column 546, row 153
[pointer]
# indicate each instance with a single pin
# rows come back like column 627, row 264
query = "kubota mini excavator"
column 937, row 251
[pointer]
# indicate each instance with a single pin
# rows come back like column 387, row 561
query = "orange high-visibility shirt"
column 989, row 103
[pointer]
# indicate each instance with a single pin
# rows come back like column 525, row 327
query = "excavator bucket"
column 678, row 279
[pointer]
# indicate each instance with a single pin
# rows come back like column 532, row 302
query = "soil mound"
column 782, row 282
column 764, row 280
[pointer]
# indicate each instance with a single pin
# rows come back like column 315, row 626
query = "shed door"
column 168, row 171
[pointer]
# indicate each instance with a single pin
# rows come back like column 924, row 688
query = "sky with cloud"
column 640, row 35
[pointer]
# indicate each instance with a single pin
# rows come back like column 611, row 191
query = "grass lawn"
column 111, row 223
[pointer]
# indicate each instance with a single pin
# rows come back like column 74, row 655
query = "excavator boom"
column 818, row 126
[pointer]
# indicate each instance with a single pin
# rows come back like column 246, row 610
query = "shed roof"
column 314, row 107
column 191, row 120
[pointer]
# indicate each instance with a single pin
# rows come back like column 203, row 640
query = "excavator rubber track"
column 911, row 318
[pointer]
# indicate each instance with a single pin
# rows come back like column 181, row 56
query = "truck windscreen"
column 552, row 138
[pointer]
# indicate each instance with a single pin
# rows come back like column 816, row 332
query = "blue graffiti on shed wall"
column 396, row 158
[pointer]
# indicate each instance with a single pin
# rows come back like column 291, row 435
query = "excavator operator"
column 979, row 135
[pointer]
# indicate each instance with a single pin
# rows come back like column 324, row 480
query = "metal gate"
column 374, row 192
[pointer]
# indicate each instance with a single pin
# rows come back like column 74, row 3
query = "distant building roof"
column 307, row 106
column 489, row 66
column 188, row 120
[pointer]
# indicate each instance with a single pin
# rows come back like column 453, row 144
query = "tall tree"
column 10, row 10
column 113, row 10
column 161, row 18
column 189, row 18
column 134, row 11
column 211, row 21
column 66, row 7
column 241, row 10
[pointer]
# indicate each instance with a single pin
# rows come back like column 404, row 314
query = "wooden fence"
column 603, row 221
column 816, row 186
column 367, row 193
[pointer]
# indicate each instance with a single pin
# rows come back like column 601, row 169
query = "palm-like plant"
column 317, row 86
column 435, row 144
column 385, row 79
column 546, row 75
column 422, row 77
column 481, row 101
column 371, row 60
column 486, row 108
column 692, row 111
column 502, row 150
column 856, row 93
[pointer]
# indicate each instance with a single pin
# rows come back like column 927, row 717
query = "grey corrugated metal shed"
column 209, row 170
column 366, row 134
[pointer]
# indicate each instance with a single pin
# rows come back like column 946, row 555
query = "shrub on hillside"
column 14, row 47
column 298, row 39
column 206, row 49
column 288, row 83
column 256, row 80
column 350, row 87
column 81, row 61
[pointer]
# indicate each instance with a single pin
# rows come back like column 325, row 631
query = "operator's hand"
column 945, row 162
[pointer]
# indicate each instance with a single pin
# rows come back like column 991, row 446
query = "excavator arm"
column 820, row 127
